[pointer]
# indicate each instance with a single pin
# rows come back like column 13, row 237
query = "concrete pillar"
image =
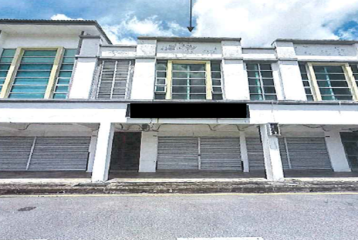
column 336, row 152
column 103, row 152
column 92, row 150
column 243, row 150
column 144, row 73
column 273, row 163
column 85, row 67
column 148, row 152
column 290, row 74
column 236, row 86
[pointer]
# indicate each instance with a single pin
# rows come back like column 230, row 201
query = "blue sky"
column 258, row 22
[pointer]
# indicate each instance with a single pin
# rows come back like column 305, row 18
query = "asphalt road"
column 272, row 217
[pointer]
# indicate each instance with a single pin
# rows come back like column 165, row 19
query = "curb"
column 179, row 187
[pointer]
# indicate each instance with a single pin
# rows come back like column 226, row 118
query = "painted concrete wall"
column 83, row 76
column 143, row 79
column 38, row 40
column 148, row 152
column 336, row 152
column 236, row 86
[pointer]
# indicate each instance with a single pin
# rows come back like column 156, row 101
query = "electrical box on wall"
column 274, row 129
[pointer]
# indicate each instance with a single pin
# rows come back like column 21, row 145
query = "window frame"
column 261, row 78
column 348, row 74
column 208, row 78
column 15, row 64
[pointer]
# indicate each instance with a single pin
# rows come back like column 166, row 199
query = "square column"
column 148, row 152
column 336, row 152
column 273, row 163
column 103, row 152
column 244, row 154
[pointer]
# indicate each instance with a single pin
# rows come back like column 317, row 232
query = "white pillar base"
column 103, row 152
column 273, row 163
column 244, row 155
column 336, row 152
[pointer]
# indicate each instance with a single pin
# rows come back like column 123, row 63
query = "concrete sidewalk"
column 184, row 186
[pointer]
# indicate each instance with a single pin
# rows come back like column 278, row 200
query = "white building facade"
column 66, row 91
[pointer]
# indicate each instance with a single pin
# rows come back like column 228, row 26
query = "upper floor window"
column 261, row 82
column 306, row 82
column 5, row 62
column 327, row 81
column 39, row 73
column 115, row 78
column 188, row 80
column 354, row 68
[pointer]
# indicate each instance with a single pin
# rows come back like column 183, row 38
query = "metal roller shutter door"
column 177, row 153
column 60, row 154
column 308, row 153
column 255, row 154
column 14, row 153
column 221, row 154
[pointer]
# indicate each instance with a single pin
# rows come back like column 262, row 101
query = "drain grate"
column 26, row 209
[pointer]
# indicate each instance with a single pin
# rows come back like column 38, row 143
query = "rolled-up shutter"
column 284, row 156
column 177, row 153
column 307, row 153
column 14, row 153
column 60, row 154
column 255, row 154
column 220, row 154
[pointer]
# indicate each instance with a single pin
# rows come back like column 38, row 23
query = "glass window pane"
column 217, row 97
column 161, row 74
column 70, row 52
column 63, row 81
column 266, row 74
column 270, row 97
column 255, row 90
column 6, row 60
column 37, row 60
column 197, row 75
column 256, row 97
column 27, row 95
column 35, row 67
column 252, row 67
column 265, row 67
column 216, row 82
column 65, row 74
column 162, row 66
column 33, row 74
column 269, row 90
column 159, row 96
column 180, row 82
column 4, row 66
column 59, row 95
column 179, row 96
column 198, row 89
column 160, row 81
column 216, row 67
column 197, row 67
column 253, row 74
column 180, row 67
column 3, row 73
column 216, row 74
column 179, row 89
column 196, row 82
column 62, row 89
column 198, row 96
column 180, row 75
column 68, row 60
column 68, row 67
column 40, row 53
column 8, row 52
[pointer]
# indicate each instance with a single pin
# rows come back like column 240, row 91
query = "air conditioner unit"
column 274, row 129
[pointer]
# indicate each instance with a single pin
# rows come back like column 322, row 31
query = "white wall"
column 336, row 152
column 148, row 152
column 143, row 79
column 236, row 86
column 38, row 40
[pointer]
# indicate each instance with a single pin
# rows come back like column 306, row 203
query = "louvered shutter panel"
column 255, row 154
column 220, row 154
column 115, row 79
column 177, row 153
column 283, row 153
column 308, row 153
column 60, row 154
column 14, row 153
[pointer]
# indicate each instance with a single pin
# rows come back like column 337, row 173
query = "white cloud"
column 260, row 22
column 63, row 17
column 150, row 26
